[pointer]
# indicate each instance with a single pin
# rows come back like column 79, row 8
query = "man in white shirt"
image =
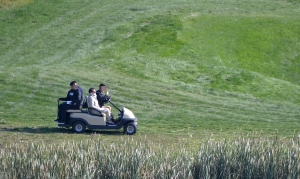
column 93, row 104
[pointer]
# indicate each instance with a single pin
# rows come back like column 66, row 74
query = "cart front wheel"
column 130, row 128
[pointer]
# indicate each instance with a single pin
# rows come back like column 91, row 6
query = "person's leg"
column 60, row 115
column 107, row 113
column 62, row 112
column 67, row 115
column 108, row 107
column 73, row 107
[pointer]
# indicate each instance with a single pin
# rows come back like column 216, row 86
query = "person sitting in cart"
column 74, row 98
column 82, row 95
column 94, row 104
column 102, row 96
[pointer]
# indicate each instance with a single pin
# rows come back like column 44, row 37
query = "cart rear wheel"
column 130, row 128
column 78, row 127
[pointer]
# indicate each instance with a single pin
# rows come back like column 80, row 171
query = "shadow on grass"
column 48, row 130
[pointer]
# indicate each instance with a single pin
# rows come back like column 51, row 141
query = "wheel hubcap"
column 130, row 129
column 78, row 127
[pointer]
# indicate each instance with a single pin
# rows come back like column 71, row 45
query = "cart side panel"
column 92, row 120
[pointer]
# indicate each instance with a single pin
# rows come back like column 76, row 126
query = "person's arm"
column 82, row 101
column 81, row 91
column 99, row 98
column 106, row 98
column 79, row 97
column 65, row 99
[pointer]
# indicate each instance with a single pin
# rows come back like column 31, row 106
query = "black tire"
column 78, row 127
column 130, row 128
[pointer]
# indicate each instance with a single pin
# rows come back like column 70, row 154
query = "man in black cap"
column 74, row 98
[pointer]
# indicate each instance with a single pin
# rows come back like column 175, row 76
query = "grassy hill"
column 186, row 69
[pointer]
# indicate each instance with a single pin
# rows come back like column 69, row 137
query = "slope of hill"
column 185, row 68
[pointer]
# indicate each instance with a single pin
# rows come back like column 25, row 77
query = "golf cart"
column 80, row 119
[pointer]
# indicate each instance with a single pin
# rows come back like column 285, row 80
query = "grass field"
column 189, row 70
column 196, row 68
column 219, row 75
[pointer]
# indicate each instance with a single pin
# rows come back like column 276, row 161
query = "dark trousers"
column 62, row 111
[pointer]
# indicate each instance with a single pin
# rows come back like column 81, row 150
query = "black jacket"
column 102, row 98
column 74, row 96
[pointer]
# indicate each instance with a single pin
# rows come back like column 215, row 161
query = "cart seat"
column 95, row 112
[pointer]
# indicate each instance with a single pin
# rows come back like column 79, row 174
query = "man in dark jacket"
column 102, row 96
column 73, row 99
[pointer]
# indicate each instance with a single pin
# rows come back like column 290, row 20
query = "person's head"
column 92, row 90
column 73, row 85
column 102, row 87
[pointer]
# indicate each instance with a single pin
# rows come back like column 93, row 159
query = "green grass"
column 187, row 70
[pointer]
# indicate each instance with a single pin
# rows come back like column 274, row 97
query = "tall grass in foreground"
column 240, row 158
